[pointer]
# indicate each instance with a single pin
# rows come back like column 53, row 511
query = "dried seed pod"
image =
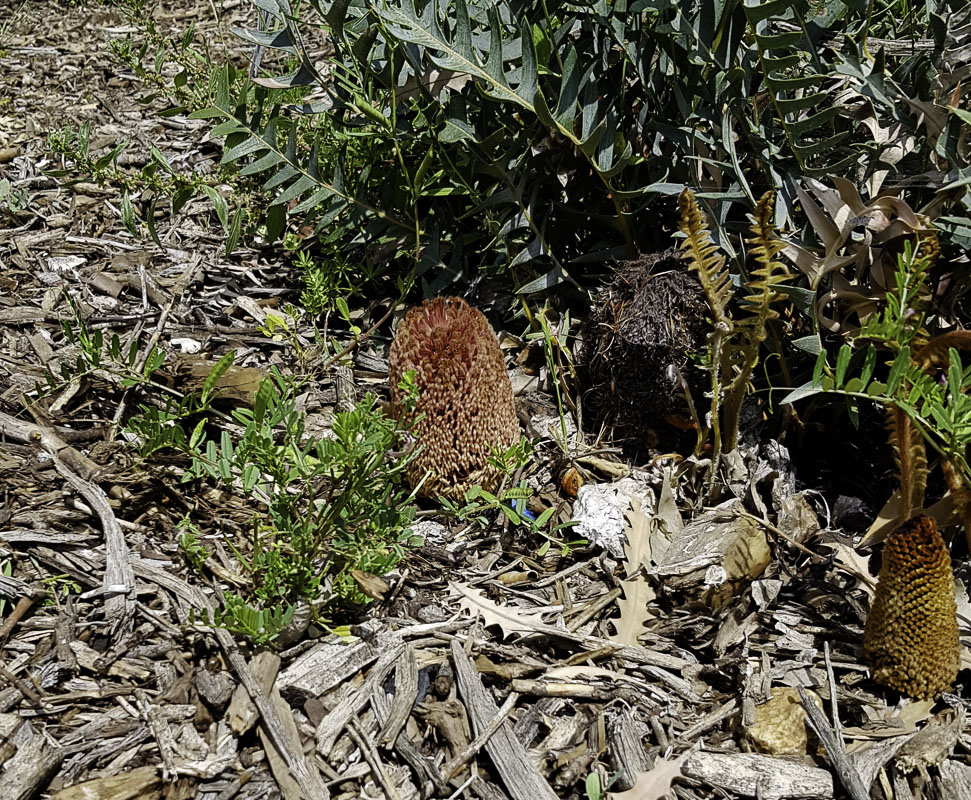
column 464, row 393
column 911, row 635
column 644, row 327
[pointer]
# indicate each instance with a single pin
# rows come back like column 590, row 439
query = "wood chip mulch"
column 488, row 670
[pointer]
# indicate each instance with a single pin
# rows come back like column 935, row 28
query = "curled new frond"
column 764, row 246
column 936, row 353
column 703, row 257
column 911, row 457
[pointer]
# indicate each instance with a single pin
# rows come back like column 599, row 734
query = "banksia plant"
column 465, row 401
column 911, row 636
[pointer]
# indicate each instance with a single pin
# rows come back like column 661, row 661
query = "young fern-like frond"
column 764, row 246
column 751, row 328
column 936, row 352
column 703, row 257
column 911, row 457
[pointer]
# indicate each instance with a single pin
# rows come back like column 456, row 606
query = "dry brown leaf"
column 508, row 618
column 654, row 784
column 855, row 563
column 637, row 591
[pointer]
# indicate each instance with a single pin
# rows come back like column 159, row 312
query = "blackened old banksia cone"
column 464, row 394
column 911, row 635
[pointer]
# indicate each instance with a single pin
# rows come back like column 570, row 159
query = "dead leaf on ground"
column 654, row 784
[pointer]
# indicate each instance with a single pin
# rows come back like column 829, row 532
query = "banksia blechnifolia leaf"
column 703, row 257
column 465, row 397
column 911, row 636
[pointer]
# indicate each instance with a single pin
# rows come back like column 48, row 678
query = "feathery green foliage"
column 926, row 380
column 736, row 338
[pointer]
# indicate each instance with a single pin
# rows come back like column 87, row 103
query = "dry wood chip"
column 327, row 665
column 21, row 315
column 755, row 775
column 30, row 769
column 350, row 706
column 91, row 660
column 405, row 695
column 142, row 783
column 242, row 713
column 520, row 776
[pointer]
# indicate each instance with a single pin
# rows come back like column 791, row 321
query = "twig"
column 119, row 580
column 118, row 583
column 22, row 687
column 373, row 761
column 461, row 759
column 592, row 609
column 816, row 557
column 519, row 774
column 360, row 338
column 307, row 776
column 847, row 773
column 833, row 703
column 24, row 604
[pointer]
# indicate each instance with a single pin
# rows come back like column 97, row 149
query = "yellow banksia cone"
column 911, row 636
column 464, row 393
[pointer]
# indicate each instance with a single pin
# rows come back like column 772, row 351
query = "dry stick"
column 520, row 776
column 24, row 604
column 307, row 777
column 816, row 557
column 119, row 580
column 360, row 338
column 593, row 609
column 21, row 686
column 468, row 753
column 834, row 705
column 847, row 773
column 47, row 440
column 373, row 761
column 160, row 730
column 118, row 583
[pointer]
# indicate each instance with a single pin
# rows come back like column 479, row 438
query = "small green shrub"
column 526, row 137
column 326, row 506
column 319, row 507
column 892, row 361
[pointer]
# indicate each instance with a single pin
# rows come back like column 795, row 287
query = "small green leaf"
column 235, row 229
column 869, row 362
column 800, row 392
column 219, row 203
column 514, row 518
column 218, row 371
column 128, row 215
column 809, row 344
column 900, row 366
column 819, row 367
column 842, row 363
column 197, row 433
column 543, row 518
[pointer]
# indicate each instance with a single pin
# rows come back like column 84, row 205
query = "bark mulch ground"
column 711, row 653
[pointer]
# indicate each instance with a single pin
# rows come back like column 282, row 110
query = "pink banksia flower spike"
column 465, row 404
